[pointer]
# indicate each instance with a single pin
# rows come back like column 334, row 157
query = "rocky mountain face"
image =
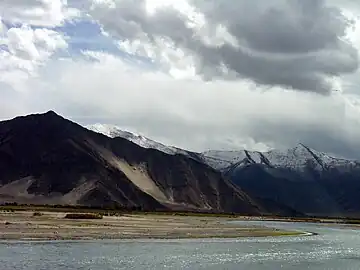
column 301, row 178
column 46, row 159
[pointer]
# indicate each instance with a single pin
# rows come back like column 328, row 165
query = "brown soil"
column 23, row 225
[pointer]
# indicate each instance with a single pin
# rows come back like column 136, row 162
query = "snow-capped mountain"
column 305, row 180
column 222, row 159
column 301, row 179
column 296, row 158
column 114, row 131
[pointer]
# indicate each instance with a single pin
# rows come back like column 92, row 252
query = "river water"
column 334, row 248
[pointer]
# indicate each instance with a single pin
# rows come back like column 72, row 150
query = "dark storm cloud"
column 295, row 44
column 293, row 26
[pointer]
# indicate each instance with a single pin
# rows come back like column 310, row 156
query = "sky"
column 197, row 74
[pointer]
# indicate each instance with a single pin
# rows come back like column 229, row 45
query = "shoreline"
column 143, row 239
column 53, row 226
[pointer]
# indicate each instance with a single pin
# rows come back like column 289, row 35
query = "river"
column 336, row 247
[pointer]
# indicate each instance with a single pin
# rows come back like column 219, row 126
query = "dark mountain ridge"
column 300, row 179
column 304, row 180
column 46, row 159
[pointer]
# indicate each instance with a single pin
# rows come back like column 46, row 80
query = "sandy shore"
column 23, row 225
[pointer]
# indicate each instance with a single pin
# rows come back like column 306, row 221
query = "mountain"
column 297, row 180
column 114, row 131
column 46, row 159
column 301, row 178
column 297, row 158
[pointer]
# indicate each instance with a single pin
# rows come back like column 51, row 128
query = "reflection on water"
column 333, row 248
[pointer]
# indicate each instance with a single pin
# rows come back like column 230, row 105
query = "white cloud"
column 37, row 12
column 190, row 113
column 25, row 50
column 300, row 45
column 172, row 103
column 34, row 45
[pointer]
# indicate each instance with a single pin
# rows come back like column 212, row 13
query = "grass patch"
column 83, row 216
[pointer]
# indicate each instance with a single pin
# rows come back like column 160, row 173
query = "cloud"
column 11, row 102
column 293, row 44
column 34, row 45
column 39, row 12
column 24, row 49
column 193, row 114
column 189, row 73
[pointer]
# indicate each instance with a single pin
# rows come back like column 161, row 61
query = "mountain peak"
column 300, row 150
column 302, row 146
column 51, row 113
column 47, row 159
column 297, row 158
column 115, row 131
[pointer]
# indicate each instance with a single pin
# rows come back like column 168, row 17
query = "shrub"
column 84, row 216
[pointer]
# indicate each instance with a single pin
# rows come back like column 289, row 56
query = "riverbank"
column 30, row 225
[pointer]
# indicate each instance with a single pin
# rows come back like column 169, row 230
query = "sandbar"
column 24, row 225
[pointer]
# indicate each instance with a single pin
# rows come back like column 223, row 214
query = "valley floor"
column 46, row 225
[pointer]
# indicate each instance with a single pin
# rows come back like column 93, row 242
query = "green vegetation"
column 83, row 216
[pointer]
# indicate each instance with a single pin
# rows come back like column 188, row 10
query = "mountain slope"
column 297, row 180
column 114, row 132
column 45, row 158
column 297, row 158
column 301, row 178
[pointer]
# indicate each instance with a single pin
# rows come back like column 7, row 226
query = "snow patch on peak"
column 297, row 158
column 107, row 130
column 231, row 156
column 115, row 131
